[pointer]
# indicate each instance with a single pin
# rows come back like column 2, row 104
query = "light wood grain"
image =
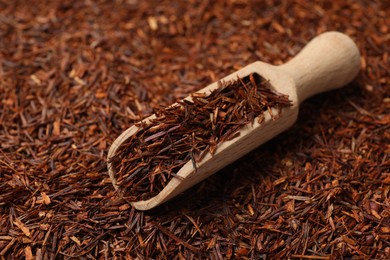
column 329, row 61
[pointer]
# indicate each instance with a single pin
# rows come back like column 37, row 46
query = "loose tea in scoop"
column 148, row 160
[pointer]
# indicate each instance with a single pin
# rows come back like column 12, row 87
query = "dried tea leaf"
column 22, row 227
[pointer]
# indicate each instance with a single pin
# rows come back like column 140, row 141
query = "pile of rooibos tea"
column 148, row 160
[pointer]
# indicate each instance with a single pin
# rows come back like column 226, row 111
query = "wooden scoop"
column 329, row 61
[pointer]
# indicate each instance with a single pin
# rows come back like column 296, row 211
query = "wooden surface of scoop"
column 329, row 61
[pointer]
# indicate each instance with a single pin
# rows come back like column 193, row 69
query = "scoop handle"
column 331, row 60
